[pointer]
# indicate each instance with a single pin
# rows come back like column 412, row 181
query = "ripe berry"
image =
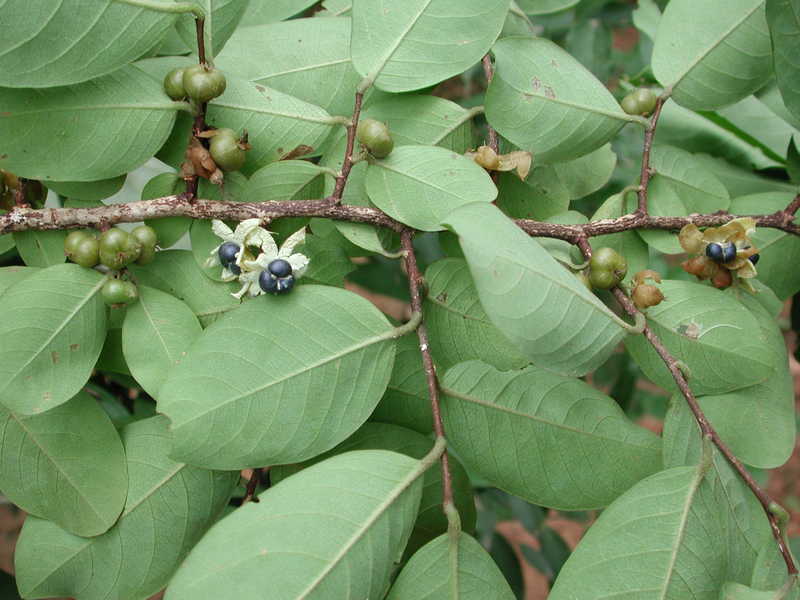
column 280, row 268
column 203, row 84
column 173, row 84
column 375, row 137
column 226, row 151
column 227, row 253
column 754, row 258
column 285, row 284
column 714, row 252
column 116, row 291
column 267, row 282
column 729, row 253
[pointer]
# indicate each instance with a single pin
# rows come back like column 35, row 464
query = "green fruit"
column 118, row 248
column 641, row 101
column 145, row 235
column 116, row 291
column 226, row 152
column 375, row 137
column 86, row 253
column 173, row 84
column 201, row 84
column 74, row 239
column 606, row 268
column 147, row 255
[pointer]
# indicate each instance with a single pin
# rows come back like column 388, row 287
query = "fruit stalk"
column 649, row 134
column 347, row 164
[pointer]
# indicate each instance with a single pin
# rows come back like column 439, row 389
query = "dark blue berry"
column 714, row 252
column 268, row 283
column 729, row 253
column 285, row 284
column 227, row 254
column 234, row 268
column 754, row 258
column 280, row 268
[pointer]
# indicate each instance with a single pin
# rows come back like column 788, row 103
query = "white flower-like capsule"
column 248, row 233
column 252, row 269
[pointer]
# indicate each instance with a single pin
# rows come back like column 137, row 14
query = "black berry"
column 280, row 268
column 268, row 283
column 227, row 254
column 754, row 258
column 285, row 284
column 714, row 252
column 729, row 253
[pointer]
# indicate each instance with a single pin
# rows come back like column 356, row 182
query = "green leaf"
column 586, row 174
column 662, row 201
column 258, row 13
column 531, row 298
column 41, row 248
column 222, row 17
column 157, row 332
column 115, row 123
column 406, row 401
column 328, row 261
column 646, row 16
column 52, row 44
column 719, row 340
column 309, row 59
column 737, row 591
column 275, row 122
column 541, row 196
column 421, row 185
column 752, row 117
column 418, row 43
column 169, row 507
column 783, row 17
column 11, row 275
column 177, row 273
column 543, row 7
column 66, row 465
column 89, row 191
column 580, row 449
column 740, row 182
column 538, row 82
column 699, row 190
column 170, row 229
column 451, row 567
column 779, row 250
column 458, row 326
column 712, row 53
column 53, row 328
column 324, row 358
column 431, row 520
column 356, row 511
column 627, row 243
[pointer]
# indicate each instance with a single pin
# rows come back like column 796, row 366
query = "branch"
column 414, row 281
column 647, row 172
column 347, row 164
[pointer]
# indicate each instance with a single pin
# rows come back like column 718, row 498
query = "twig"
column 199, row 125
column 20, row 193
column 414, row 281
column 792, row 208
column 347, row 165
column 488, row 71
column 647, row 172
column 252, row 486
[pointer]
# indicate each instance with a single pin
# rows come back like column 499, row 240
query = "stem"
column 167, row 7
column 793, row 206
column 199, row 125
column 20, row 192
column 414, row 279
column 199, row 25
column 347, row 165
column 252, row 486
column 488, row 71
column 647, row 172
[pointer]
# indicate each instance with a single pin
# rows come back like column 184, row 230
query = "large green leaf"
column 712, row 53
column 763, row 125
column 309, row 59
column 58, row 43
column 545, row 101
column 416, row 43
column 157, row 332
column 11, row 275
column 279, row 380
column 258, row 13
column 534, row 301
column 333, row 530
column 458, row 325
column 779, row 250
column 41, row 248
column 541, row 7
column 431, row 520
column 699, row 190
column 169, row 507
column 93, row 130
column 783, row 17
column 66, row 465
column 737, row 591
column 421, row 185
column 53, row 328
column 738, row 181
column 222, row 17
column 451, row 566
column 541, row 196
column 718, row 339
column 89, row 191
column 276, row 123
column 550, row 439
column 177, row 273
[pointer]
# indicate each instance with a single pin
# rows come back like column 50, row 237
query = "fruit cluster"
column 607, row 268
column 199, row 83
column 722, row 252
column 641, row 101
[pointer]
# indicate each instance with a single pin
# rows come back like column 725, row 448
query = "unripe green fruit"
column 375, row 137
column 226, row 152
column 74, row 239
column 641, row 101
column 606, row 268
column 116, row 291
column 86, row 253
column 118, row 248
column 147, row 255
column 173, row 84
column 113, row 239
column 145, row 235
column 202, row 85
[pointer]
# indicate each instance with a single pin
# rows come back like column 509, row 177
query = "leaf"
column 541, row 196
column 50, row 45
column 718, row 339
column 662, row 201
column 458, row 326
column 741, row 182
column 115, row 123
column 530, row 298
column 41, row 248
column 451, row 568
column 418, row 43
column 575, row 440
column 324, row 360
column 737, row 591
column 431, row 520
column 646, row 16
column 699, row 190
column 328, row 261
column 783, row 17
column 712, row 53
column 752, row 117
column 779, row 250
column 176, row 273
column 170, row 229
column 421, row 185
column 586, row 174
column 11, row 275
column 222, row 17
column 543, row 7
column 309, row 59
column 53, row 328
column 275, row 122
column 537, row 82
column 258, row 13
column 626, row 243
column 89, row 191
column 66, row 465
column 169, row 507
column 357, row 510
column 157, row 332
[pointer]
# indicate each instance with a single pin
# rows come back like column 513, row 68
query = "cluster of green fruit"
column 115, row 249
column 641, row 101
column 199, row 83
